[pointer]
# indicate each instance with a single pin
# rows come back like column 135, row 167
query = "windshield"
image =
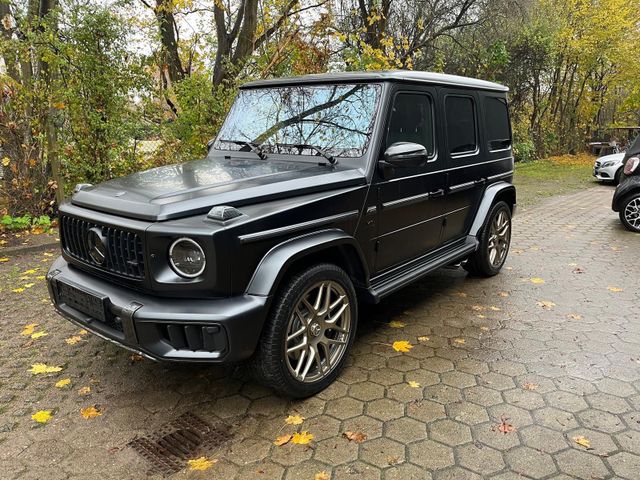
column 337, row 119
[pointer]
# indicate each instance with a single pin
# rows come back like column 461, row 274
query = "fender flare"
column 490, row 194
column 276, row 261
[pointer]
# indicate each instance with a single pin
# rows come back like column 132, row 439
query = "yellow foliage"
column 39, row 368
column 62, row 383
column 90, row 412
column 42, row 416
column 201, row 463
column 294, row 420
column 301, row 438
column 402, row 346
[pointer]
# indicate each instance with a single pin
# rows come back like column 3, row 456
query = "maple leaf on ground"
column 537, row 280
column 38, row 335
column 83, row 332
column 31, row 271
column 18, row 290
column 504, row 426
column 321, row 476
column 42, row 416
column 90, row 412
column 294, row 420
column 62, row 383
column 28, row 329
column 201, row 463
column 397, row 324
column 73, row 340
column 38, row 368
column 530, row 386
column 357, row 437
column 283, row 439
column 301, row 438
column 402, row 346
column 582, row 441
column 413, row 384
column 4, row 259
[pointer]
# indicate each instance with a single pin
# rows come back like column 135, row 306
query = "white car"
column 609, row 168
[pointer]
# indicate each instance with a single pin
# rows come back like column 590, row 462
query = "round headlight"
column 187, row 258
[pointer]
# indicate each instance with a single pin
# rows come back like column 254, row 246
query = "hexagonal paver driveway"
column 534, row 373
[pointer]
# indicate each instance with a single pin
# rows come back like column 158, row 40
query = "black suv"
column 626, row 199
column 318, row 193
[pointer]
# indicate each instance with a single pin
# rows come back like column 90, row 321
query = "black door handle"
column 437, row 193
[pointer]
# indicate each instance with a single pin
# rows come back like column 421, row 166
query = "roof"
column 392, row 75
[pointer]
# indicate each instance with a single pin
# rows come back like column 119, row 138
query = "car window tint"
column 496, row 121
column 412, row 121
column 461, row 124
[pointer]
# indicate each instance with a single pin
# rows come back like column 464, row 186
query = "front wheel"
column 630, row 212
column 312, row 326
column 494, row 242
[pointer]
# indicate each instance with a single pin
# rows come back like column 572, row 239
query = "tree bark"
column 171, row 63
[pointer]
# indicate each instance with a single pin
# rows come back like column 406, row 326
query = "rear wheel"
column 495, row 239
column 305, row 341
column 630, row 212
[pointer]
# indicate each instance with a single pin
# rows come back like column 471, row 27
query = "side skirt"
column 392, row 280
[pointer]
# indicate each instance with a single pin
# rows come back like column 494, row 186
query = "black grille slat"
column 125, row 255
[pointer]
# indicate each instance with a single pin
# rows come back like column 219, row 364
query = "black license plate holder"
column 85, row 301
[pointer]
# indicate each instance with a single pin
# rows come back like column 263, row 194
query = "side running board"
column 388, row 282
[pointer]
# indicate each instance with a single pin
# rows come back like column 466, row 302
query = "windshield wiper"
column 254, row 147
column 303, row 146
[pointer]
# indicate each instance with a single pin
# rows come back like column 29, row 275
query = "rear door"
column 409, row 219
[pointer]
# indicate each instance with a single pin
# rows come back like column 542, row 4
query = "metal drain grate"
column 188, row 436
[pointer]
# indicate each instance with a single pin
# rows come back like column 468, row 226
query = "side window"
column 461, row 124
column 412, row 121
column 496, row 120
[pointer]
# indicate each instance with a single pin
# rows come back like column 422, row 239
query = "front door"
column 409, row 216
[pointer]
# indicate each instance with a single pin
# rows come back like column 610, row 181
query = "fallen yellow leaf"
column 42, row 416
column 282, row 439
column 614, row 289
column 537, row 280
column 397, row 324
column 39, row 334
column 31, row 271
column 357, row 437
column 6, row 161
column 90, row 412
column 402, row 346
column 301, row 438
column 582, row 441
column 484, row 328
column 530, row 386
column 84, row 391
column 73, row 340
column 63, row 383
column 83, row 332
column 40, row 277
column 460, row 341
column 294, row 420
column 423, row 338
column 481, row 316
column 321, row 476
column 503, row 294
column 18, row 290
column 495, row 309
column 201, row 463
column 546, row 304
column 28, row 329
column 4, row 259
column 28, row 285
column 574, row 316
column 38, row 368
column 413, row 384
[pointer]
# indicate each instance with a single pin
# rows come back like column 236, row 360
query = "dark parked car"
column 318, row 193
column 626, row 199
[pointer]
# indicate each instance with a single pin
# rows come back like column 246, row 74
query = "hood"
column 616, row 157
column 192, row 188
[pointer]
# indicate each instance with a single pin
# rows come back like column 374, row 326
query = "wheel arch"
column 496, row 192
column 326, row 246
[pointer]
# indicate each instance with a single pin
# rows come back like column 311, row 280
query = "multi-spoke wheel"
column 494, row 240
column 630, row 212
column 311, row 328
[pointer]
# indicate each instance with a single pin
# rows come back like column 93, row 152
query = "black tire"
column 480, row 262
column 271, row 365
column 626, row 216
column 617, row 176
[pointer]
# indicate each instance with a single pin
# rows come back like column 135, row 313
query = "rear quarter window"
column 496, row 113
column 461, row 124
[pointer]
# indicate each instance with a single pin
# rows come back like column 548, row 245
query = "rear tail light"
column 631, row 165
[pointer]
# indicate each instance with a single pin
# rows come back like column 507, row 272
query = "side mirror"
column 406, row 154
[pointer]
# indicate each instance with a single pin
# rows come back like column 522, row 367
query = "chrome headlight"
column 187, row 258
column 608, row 164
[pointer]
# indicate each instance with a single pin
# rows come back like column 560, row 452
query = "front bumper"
column 606, row 174
column 217, row 330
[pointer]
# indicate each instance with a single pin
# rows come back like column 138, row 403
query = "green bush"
column 25, row 222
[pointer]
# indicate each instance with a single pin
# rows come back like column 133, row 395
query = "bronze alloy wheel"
column 499, row 238
column 318, row 332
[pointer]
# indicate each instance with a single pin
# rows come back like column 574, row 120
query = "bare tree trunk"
column 10, row 58
column 172, row 65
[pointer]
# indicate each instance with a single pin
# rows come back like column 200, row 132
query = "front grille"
column 124, row 249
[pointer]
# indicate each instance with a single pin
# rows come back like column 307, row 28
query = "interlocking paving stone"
column 483, row 341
